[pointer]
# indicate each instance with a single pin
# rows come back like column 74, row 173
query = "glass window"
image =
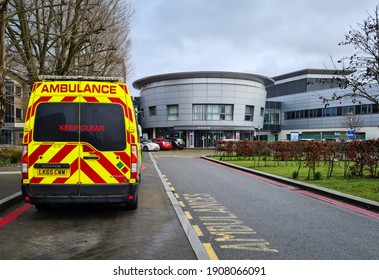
column 339, row 111
column 57, row 122
column 226, row 112
column 198, row 112
column 346, row 110
column 287, row 115
column 212, row 112
column 19, row 113
column 18, row 91
column 366, row 109
column 101, row 125
column 357, row 109
column 9, row 87
column 172, row 112
column 249, row 113
column 272, row 116
column 153, row 111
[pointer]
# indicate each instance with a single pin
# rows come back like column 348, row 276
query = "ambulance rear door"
column 105, row 152
column 53, row 153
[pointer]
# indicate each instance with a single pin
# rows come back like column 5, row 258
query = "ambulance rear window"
column 101, row 125
column 52, row 119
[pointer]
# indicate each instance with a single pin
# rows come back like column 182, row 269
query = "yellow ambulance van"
column 81, row 143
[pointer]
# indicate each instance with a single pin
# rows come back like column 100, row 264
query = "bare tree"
column 352, row 122
column 3, row 65
column 70, row 37
column 362, row 68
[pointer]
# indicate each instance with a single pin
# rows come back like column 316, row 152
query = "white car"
column 150, row 146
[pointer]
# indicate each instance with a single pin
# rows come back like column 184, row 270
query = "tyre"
column 132, row 205
column 43, row 206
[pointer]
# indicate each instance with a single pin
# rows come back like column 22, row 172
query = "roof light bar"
column 79, row 78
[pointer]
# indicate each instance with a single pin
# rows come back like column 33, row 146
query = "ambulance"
column 80, row 143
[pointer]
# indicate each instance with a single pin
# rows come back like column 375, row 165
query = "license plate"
column 52, row 172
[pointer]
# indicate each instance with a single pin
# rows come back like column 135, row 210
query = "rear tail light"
column 24, row 162
column 134, row 162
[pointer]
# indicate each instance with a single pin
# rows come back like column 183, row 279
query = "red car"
column 163, row 143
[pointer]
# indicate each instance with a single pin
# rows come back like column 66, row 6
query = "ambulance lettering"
column 79, row 88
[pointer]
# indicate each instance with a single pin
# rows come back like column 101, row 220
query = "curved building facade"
column 202, row 107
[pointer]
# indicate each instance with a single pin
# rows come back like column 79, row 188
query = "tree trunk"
column 3, row 65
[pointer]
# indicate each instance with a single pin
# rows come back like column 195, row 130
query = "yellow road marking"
column 211, row 253
column 181, row 204
column 188, row 215
column 177, row 195
column 172, row 189
column 198, row 230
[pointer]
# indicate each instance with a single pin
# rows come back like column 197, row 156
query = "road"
column 238, row 216
column 234, row 214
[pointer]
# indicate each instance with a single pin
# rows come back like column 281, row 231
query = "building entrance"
column 207, row 139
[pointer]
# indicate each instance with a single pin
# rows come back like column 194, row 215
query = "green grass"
column 365, row 187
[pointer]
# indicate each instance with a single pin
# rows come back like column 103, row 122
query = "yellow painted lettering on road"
column 227, row 230
column 215, row 218
column 251, row 246
column 230, row 228
column 240, row 236
column 223, row 222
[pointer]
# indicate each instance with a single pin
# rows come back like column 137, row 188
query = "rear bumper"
column 99, row 193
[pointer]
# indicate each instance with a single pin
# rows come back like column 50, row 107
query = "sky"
column 264, row 37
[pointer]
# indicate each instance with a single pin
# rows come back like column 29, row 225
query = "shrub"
column 318, row 176
column 10, row 155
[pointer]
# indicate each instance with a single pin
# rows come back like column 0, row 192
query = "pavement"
column 9, row 192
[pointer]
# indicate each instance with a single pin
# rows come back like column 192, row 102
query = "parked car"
column 177, row 143
column 163, row 143
column 150, row 146
column 331, row 140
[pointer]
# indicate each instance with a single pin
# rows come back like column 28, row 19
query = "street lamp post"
column 259, row 129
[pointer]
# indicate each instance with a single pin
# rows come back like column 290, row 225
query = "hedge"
column 357, row 156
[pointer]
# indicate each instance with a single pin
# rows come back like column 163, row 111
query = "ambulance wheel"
column 43, row 206
column 132, row 205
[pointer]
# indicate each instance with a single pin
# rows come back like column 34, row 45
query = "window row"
column 207, row 112
column 332, row 111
